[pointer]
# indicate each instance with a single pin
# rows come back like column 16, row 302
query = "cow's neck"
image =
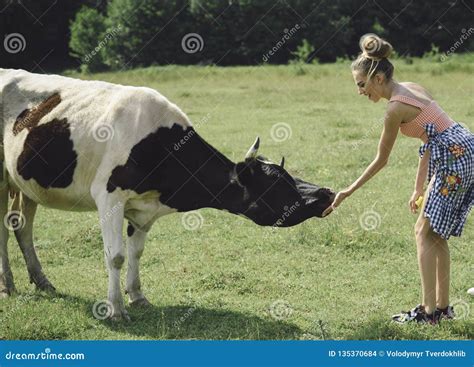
column 187, row 172
column 203, row 178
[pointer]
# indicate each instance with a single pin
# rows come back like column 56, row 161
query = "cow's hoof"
column 119, row 317
column 5, row 293
column 46, row 286
column 141, row 302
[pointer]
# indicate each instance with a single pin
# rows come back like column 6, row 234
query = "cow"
column 130, row 154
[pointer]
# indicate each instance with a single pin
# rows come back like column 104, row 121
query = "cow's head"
column 272, row 197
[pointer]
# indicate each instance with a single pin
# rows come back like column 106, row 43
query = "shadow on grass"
column 191, row 322
column 152, row 322
column 383, row 329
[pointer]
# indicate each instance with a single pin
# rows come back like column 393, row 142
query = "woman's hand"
column 340, row 196
column 414, row 197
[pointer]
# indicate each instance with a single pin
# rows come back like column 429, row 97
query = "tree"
column 87, row 39
column 150, row 32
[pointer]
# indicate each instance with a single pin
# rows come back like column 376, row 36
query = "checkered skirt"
column 452, row 194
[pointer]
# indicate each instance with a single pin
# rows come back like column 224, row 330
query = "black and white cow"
column 131, row 154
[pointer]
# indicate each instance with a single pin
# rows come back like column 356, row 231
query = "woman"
column 446, row 159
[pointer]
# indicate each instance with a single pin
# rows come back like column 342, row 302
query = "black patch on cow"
column 186, row 171
column 30, row 118
column 48, row 155
column 130, row 230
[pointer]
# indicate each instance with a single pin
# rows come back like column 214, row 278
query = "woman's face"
column 371, row 88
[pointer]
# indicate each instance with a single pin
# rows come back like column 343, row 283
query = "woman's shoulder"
column 411, row 94
column 410, row 84
column 408, row 99
column 414, row 90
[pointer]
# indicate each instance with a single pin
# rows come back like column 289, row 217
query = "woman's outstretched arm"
column 387, row 140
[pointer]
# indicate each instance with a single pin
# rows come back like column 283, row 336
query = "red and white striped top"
column 431, row 113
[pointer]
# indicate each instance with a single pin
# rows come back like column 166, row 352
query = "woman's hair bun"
column 375, row 47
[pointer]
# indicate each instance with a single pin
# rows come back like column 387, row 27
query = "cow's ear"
column 282, row 164
column 243, row 173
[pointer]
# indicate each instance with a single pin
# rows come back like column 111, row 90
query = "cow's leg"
column 111, row 214
column 7, row 286
column 136, row 244
column 24, row 235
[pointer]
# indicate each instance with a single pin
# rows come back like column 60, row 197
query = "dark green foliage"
column 150, row 32
column 86, row 31
column 233, row 32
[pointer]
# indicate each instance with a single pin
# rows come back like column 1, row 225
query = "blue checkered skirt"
column 452, row 163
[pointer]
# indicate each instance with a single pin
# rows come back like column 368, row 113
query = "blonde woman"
column 446, row 163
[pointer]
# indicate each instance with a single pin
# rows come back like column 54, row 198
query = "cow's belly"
column 72, row 198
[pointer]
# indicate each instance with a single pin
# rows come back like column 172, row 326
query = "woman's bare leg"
column 427, row 250
column 443, row 272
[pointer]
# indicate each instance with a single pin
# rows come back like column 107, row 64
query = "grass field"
column 230, row 279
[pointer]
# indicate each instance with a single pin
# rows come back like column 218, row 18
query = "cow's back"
column 61, row 134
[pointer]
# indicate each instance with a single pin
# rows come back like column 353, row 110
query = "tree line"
column 120, row 34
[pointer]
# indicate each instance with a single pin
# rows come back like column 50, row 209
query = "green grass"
column 219, row 281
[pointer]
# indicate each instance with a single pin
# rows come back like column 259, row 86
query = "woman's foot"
column 445, row 313
column 417, row 314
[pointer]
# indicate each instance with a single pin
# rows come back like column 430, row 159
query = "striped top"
column 430, row 113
